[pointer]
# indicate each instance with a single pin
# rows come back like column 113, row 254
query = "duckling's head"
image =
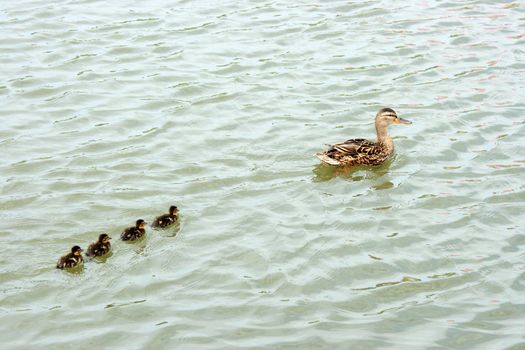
column 140, row 224
column 174, row 210
column 104, row 238
column 387, row 116
column 76, row 250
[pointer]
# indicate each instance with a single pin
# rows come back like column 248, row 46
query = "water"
column 113, row 111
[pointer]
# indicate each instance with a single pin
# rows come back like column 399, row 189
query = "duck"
column 362, row 151
column 166, row 220
column 134, row 232
column 100, row 247
column 71, row 259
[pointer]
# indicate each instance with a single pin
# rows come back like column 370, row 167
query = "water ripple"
column 113, row 113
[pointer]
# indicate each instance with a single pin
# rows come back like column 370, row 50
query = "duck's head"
column 104, row 238
column 140, row 224
column 76, row 250
column 174, row 210
column 387, row 116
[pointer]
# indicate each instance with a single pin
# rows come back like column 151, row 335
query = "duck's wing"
column 127, row 234
column 72, row 261
column 350, row 152
column 352, row 147
column 161, row 221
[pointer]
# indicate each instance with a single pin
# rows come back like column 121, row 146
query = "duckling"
column 100, row 247
column 365, row 152
column 134, row 232
column 167, row 219
column 72, row 259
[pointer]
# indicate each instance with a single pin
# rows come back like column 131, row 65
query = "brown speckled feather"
column 362, row 151
column 356, row 152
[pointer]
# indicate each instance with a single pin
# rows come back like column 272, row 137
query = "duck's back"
column 164, row 220
column 131, row 234
column 69, row 260
column 98, row 249
column 355, row 152
column 352, row 147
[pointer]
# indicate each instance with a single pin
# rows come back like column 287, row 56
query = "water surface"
column 113, row 111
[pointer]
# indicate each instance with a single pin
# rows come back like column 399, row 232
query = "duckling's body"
column 100, row 247
column 72, row 259
column 362, row 151
column 135, row 232
column 166, row 220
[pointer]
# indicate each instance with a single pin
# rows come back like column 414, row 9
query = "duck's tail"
column 326, row 159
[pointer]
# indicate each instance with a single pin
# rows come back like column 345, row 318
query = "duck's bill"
column 403, row 121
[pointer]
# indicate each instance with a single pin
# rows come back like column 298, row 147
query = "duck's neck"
column 383, row 137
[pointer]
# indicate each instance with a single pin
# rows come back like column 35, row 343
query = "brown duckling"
column 100, row 247
column 72, row 259
column 167, row 219
column 365, row 152
column 135, row 232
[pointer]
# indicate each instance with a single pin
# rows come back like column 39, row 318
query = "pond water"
column 113, row 111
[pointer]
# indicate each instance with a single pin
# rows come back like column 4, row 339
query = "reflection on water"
column 101, row 259
column 77, row 270
column 170, row 231
column 323, row 172
column 383, row 186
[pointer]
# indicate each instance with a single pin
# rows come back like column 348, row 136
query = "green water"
column 113, row 111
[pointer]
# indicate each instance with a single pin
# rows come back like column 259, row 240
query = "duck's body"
column 72, row 259
column 362, row 151
column 100, row 247
column 167, row 219
column 135, row 232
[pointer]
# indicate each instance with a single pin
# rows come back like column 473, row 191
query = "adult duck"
column 362, row 151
